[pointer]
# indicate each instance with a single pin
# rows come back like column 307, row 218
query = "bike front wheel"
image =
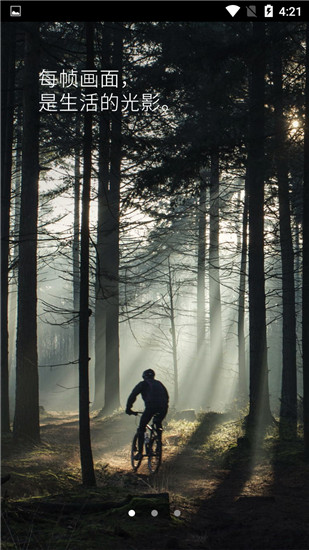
column 154, row 454
column 134, row 450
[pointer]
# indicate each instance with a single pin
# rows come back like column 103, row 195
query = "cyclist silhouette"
column 156, row 398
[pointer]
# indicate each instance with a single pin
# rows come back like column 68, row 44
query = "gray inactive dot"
column 154, row 513
column 177, row 513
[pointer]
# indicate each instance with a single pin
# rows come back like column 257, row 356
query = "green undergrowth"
column 227, row 445
column 221, row 440
column 211, row 435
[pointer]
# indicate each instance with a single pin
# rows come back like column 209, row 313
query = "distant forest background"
column 154, row 214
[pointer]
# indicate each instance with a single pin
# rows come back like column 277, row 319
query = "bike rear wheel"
column 154, row 454
column 134, row 450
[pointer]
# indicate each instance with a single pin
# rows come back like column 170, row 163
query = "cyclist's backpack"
column 156, row 394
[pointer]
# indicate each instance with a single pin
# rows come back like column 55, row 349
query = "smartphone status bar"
column 160, row 10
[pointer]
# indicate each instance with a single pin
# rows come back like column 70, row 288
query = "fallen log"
column 144, row 503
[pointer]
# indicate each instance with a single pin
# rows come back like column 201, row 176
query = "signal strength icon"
column 233, row 9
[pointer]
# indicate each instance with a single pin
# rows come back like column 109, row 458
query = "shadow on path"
column 260, row 504
column 291, row 491
column 185, row 471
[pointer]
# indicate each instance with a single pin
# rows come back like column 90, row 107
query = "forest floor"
column 229, row 497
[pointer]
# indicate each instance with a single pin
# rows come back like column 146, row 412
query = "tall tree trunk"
column 242, row 377
column 288, row 409
column 173, row 333
column 15, row 229
column 259, row 396
column 76, row 232
column 7, row 110
column 100, row 303
column 111, row 247
column 216, row 348
column 201, row 263
column 305, row 301
column 26, row 421
column 103, row 215
column 84, row 421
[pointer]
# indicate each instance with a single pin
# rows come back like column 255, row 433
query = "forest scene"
column 154, row 215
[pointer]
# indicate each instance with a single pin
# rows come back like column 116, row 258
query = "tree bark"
column 100, row 304
column 84, row 421
column 111, row 245
column 201, row 264
column 14, row 255
column 26, row 421
column 288, row 409
column 103, row 215
column 76, row 234
column 216, row 348
column 259, row 396
column 305, row 300
column 242, row 376
column 173, row 333
column 7, row 109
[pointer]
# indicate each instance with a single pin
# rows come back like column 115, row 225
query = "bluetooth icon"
column 269, row 11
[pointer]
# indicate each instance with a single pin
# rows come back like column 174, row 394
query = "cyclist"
column 156, row 398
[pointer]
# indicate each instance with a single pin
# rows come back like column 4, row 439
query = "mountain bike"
column 152, row 447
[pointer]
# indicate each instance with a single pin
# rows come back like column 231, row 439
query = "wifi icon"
column 233, row 9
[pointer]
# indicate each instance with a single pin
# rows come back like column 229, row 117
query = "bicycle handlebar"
column 136, row 413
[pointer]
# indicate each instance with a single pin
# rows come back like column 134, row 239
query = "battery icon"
column 269, row 10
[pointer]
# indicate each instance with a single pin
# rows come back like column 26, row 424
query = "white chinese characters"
column 69, row 89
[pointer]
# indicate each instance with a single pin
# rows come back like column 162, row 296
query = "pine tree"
column 305, row 299
column 259, row 395
column 288, row 409
column 26, row 421
column 84, row 421
column 7, row 110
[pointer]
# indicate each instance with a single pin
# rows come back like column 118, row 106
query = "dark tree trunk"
column 242, row 373
column 100, row 303
column 305, row 305
column 15, row 230
column 26, row 421
column 102, row 236
column 111, row 246
column 173, row 333
column 201, row 264
column 84, row 421
column 259, row 396
column 7, row 110
column 76, row 232
column 288, row 409
column 216, row 348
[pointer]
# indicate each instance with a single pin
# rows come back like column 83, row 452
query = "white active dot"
column 154, row 513
column 177, row 513
column 131, row 513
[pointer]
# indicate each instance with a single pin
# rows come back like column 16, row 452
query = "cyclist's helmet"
column 149, row 373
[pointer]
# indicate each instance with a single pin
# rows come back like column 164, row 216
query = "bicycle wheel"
column 154, row 453
column 134, row 450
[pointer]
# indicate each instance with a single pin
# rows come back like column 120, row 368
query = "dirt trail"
column 237, row 503
column 253, row 503
column 183, row 472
